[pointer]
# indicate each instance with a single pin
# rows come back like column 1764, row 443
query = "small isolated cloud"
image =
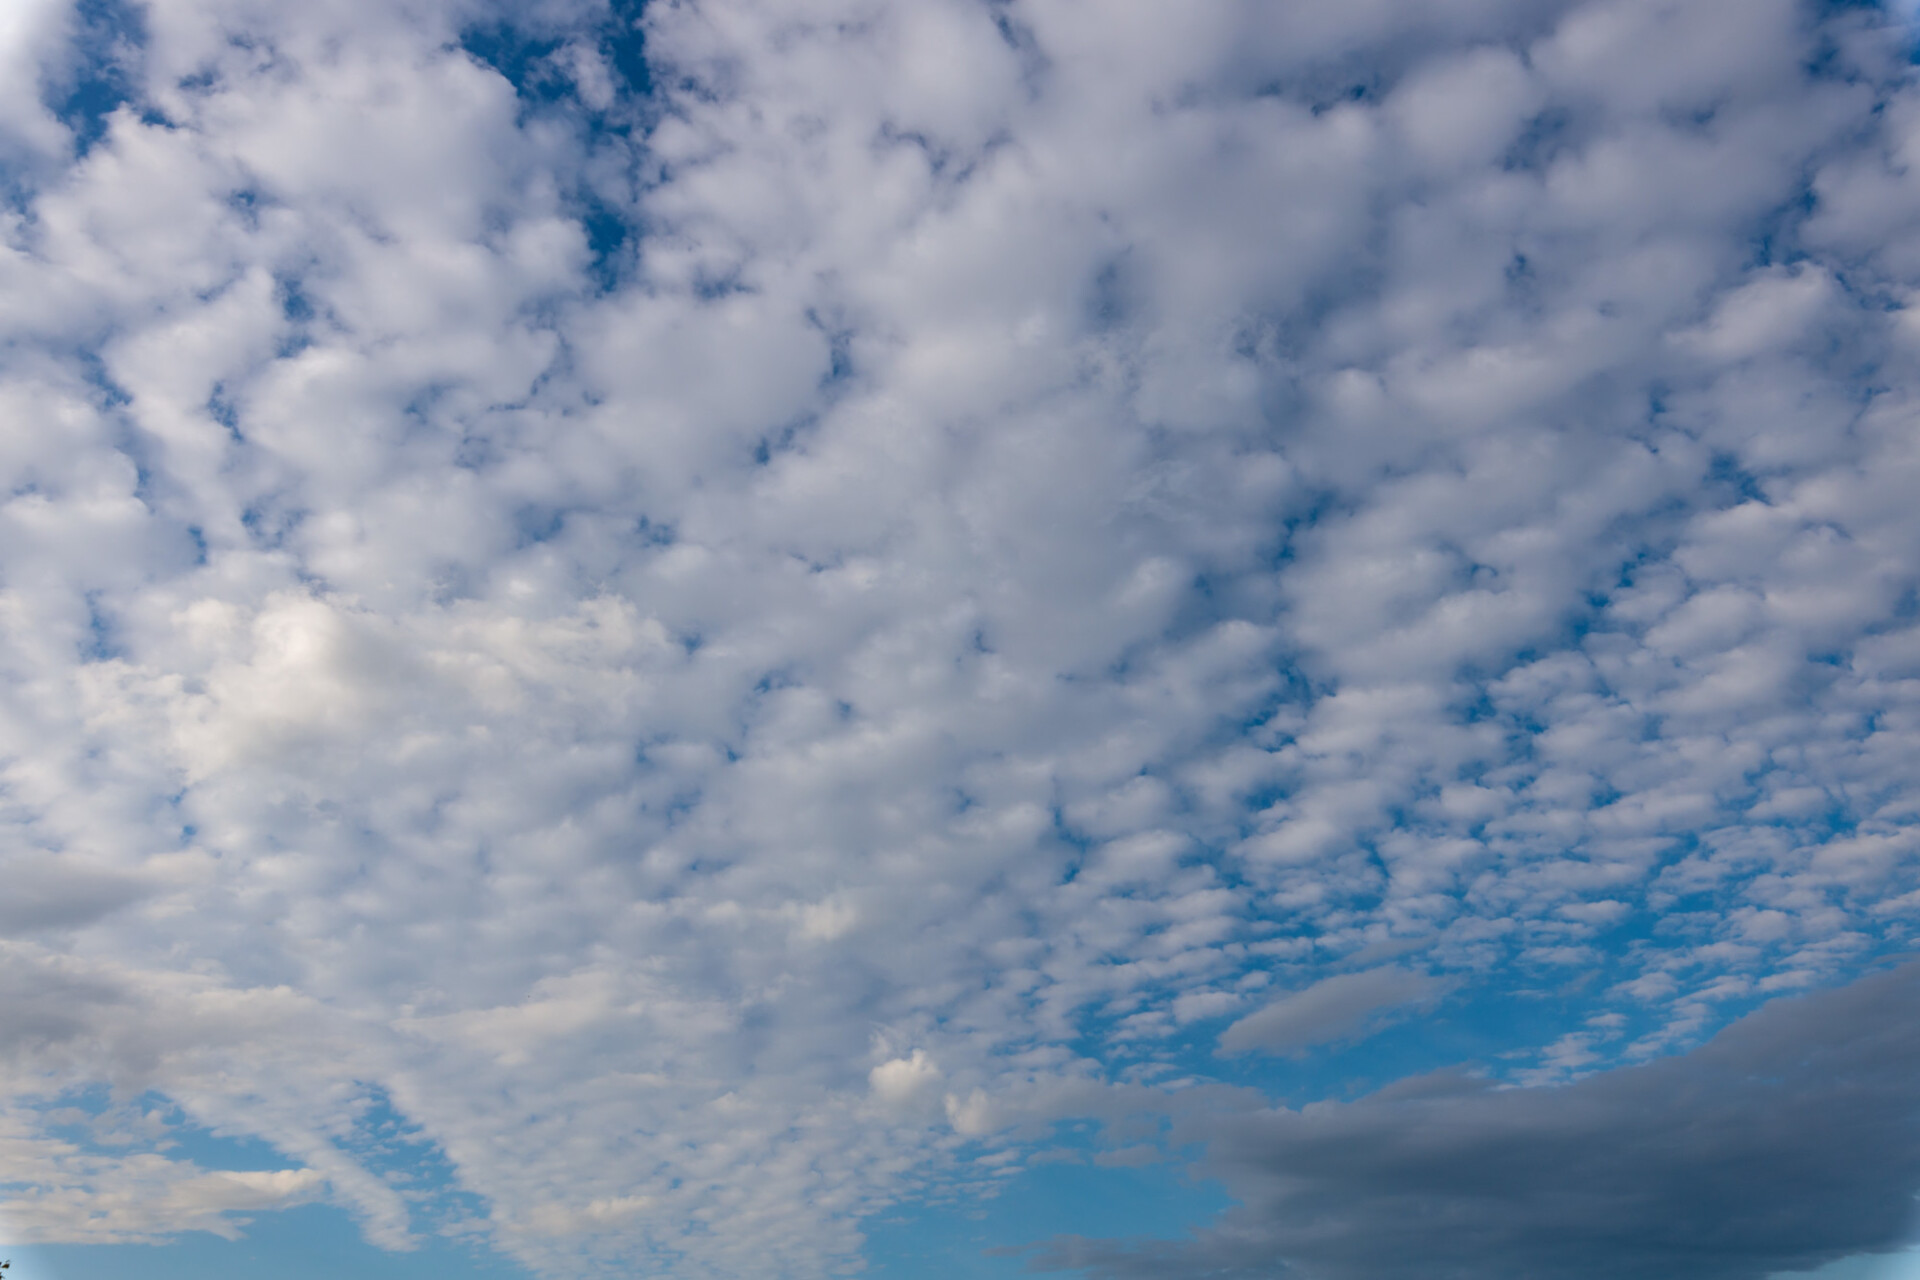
column 1335, row 1008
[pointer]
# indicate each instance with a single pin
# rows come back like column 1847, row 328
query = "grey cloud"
column 46, row 1005
column 1331, row 1009
column 1789, row 1140
column 46, row 892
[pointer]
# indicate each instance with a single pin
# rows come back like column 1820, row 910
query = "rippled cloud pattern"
column 634, row 635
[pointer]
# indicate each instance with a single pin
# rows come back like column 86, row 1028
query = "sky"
column 959, row 639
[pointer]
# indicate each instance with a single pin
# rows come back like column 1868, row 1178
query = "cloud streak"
column 1331, row 1009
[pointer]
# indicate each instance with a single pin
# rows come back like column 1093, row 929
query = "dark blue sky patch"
column 1777, row 241
column 649, row 532
column 608, row 235
column 295, row 306
column 524, row 60
column 1734, row 482
column 531, row 59
column 221, row 409
column 270, row 522
column 625, row 45
column 1114, row 295
column 1019, row 37
column 839, row 335
column 535, row 524
column 786, row 438
column 109, row 42
column 541, row 65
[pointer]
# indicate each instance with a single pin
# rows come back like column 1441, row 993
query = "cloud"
column 60, row 893
column 1331, row 1009
column 29, row 31
column 1785, row 1142
column 626, row 613
column 898, row 1081
column 140, row 1198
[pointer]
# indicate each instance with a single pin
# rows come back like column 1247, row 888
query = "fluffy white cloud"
column 1057, row 518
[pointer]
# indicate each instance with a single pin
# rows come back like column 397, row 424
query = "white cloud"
column 902, row 1084
column 139, row 1197
column 29, row 31
column 1070, row 514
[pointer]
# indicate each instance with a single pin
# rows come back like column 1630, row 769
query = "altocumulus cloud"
column 729, row 606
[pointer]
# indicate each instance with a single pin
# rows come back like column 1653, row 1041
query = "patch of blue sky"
column 606, row 87
column 394, row 1148
column 312, row 1242
column 980, row 1237
column 1513, row 1022
column 528, row 56
column 101, row 76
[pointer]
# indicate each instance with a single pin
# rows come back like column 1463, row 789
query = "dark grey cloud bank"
column 1790, row 1140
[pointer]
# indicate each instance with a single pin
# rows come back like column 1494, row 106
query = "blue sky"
column 796, row 638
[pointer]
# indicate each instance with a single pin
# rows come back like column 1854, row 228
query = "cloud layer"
column 727, row 627
column 1786, row 1142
